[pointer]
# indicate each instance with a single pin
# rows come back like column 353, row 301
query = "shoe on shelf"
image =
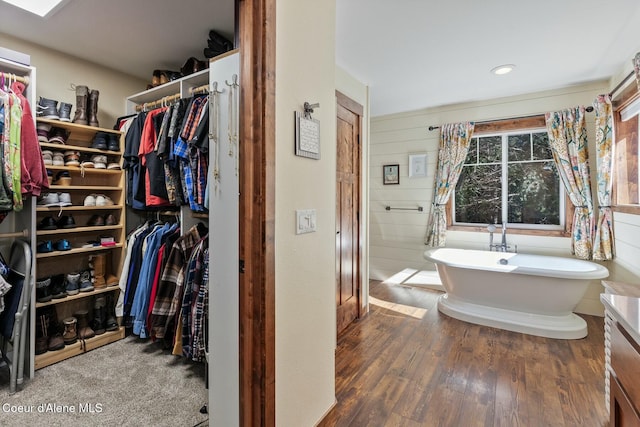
column 64, row 199
column 103, row 200
column 47, row 157
column 47, row 109
column 110, row 219
column 90, row 200
column 58, row 286
column 62, row 245
column 47, row 223
column 44, row 247
column 84, row 331
column 72, row 283
column 113, row 143
column 113, row 166
column 96, row 221
column 99, row 315
column 43, row 321
column 43, row 289
column 63, row 178
column 66, row 221
column 86, row 284
column 70, row 334
column 87, row 163
column 100, row 141
column 72, row 158
column 43, row 129
column 49, row 177
column 99, row 161
column 58, row 136
column 49, row 199
column 58, row 159
column 65, row 111
column 111, row 323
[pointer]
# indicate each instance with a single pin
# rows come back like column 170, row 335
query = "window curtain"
column 454, row 144
column 603, row 241
column 568, row 141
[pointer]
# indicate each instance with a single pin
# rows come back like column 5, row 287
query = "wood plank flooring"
column 406, row 364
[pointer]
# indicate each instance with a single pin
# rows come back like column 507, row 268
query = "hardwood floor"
column 406, row 364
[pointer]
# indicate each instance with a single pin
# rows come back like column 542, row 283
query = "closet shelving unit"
column 84, row 181
column 21, row 224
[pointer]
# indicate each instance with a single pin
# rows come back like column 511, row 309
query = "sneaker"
column 58, row 159
column 110, row 219
column 62, row 245
column 65, row 112
column 86, row 284
column 113, row 143
column 47, row 109
column 99, row 161
column 72, row 283
column 100, row 141
column 58, row 136
column 47, row 157
column 64, row 199
column 90, row 200
column 102, row 200
column 43, row 289
column 113, row 166
column 44, row 247
column 87, row 163
column 47, row 223
column 49, row 199
column 66, row 221
column 43, row 132
column 72, row 158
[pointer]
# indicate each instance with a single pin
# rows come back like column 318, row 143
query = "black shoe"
column 65, row 112
column 66, row 221
column 47, row 223
column 48, row 109
column 114, row 142
column 58, row 287
column 100, row 141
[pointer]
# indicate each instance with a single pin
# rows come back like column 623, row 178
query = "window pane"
column 490, row 149
column 472, row 154
column 534, row 191
column 541, row 149
column 477, row 194
column 519, row 147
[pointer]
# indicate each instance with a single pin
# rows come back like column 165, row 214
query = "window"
column 510, row 177
column 626, row 193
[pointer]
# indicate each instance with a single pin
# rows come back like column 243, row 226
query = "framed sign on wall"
column 417, row 165
column 391, row 174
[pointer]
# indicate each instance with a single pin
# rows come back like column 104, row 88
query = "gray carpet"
column 131, row 382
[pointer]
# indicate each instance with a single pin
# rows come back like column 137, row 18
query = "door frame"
column 357, row 109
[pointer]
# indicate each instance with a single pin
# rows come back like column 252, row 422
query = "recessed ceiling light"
column 503, row 69
column 42, row 8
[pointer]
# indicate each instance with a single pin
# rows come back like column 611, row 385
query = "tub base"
column 569, row 326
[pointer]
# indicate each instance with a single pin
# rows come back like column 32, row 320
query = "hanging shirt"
column 15, row 164
column 154, row 187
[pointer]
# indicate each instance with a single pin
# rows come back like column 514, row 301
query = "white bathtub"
column 532, row 294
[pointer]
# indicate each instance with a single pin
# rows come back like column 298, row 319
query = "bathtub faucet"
column 503, row 246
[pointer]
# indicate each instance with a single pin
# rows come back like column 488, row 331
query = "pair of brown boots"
column 77, row 326
column 86, row 106
column 100, row 277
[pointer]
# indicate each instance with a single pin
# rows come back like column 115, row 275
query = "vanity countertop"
column 626, row 311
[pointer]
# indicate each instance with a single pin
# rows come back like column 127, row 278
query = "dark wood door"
column 347, row 212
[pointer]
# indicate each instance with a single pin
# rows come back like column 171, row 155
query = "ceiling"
column 413, row 54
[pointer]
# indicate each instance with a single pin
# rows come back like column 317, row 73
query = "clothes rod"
column 587, row 109
column 419, row 209
column 10, row 77
column 23, row 233
column 198, row 89
column 160, row 102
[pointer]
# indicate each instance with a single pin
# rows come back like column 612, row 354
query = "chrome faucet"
column 503, row 246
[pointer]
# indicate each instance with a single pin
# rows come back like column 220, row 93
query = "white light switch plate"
column 305, row 221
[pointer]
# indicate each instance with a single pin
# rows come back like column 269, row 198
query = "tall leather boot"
column 98, row 265
column 82, row 95
column 99, row 316
column 93, row 108
column 84, row 330
column 111, row 323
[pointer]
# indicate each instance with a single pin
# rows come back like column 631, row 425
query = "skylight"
column 42, row 8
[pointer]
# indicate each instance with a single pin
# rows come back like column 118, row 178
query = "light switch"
column 305, row 221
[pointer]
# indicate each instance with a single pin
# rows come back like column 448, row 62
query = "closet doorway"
column 348, row 179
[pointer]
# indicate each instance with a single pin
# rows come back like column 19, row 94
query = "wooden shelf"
column 77, row 230
column 67, row 147
column 86, row 170
column 77, row 251
column 51, row 357
column 76, row 208
column 74, row 126
column 62, row 188
column 77, row 296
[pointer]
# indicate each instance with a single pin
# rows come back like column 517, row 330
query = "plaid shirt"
column 169, row 292
column 200, row 314
column 181, row 150
column 191, row 288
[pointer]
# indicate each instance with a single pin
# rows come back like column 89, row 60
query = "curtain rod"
column 587, row 109
column 621, row 84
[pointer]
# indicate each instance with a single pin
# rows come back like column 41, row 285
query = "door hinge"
column 241, row 265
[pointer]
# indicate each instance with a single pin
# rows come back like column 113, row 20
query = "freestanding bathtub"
column 532, row 294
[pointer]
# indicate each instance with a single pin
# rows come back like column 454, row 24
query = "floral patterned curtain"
column 603, row 241
column 454, row 144
column 568, row 141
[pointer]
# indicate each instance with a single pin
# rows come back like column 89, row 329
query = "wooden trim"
column 628, row 209
column 507, row 125
column 257, row 211
column 349, row 104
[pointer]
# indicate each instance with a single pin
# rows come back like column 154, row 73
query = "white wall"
column 397, row 237
column 359, row 92
column 305, row 264
column 56, row 72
